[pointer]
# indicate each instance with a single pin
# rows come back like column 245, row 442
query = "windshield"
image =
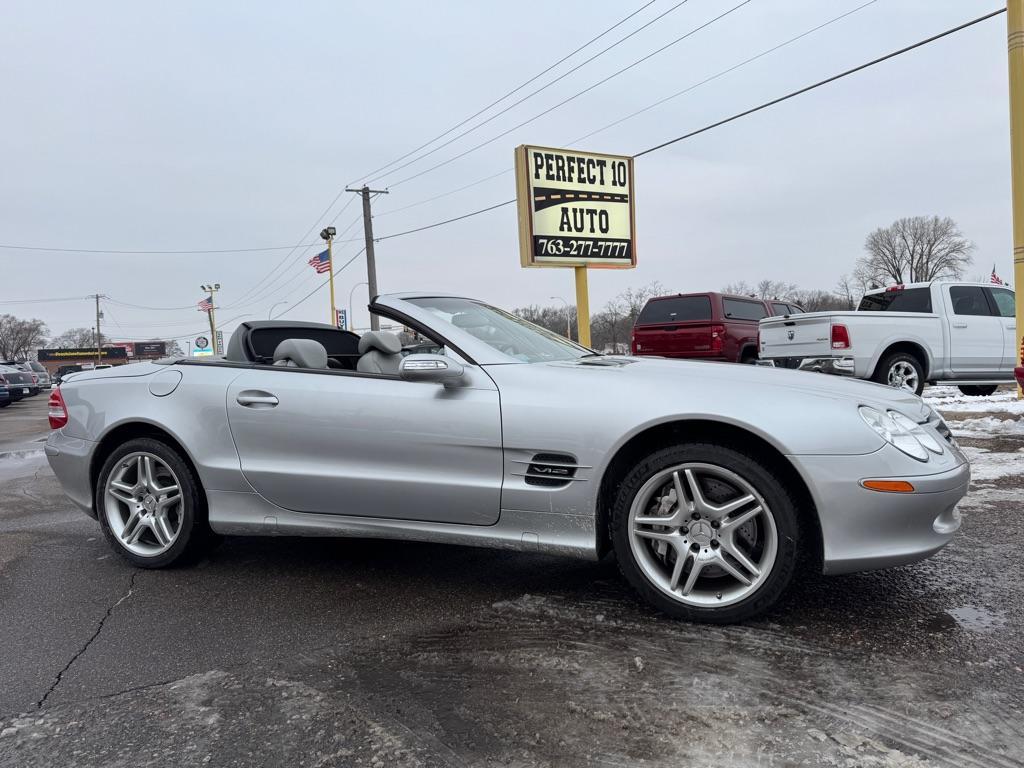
column 506, row 333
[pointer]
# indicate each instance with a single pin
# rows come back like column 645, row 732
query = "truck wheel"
column 150, row 505
column 901, row 370
column 978, row 390
column 706, row 533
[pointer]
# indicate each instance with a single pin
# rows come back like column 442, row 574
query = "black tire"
column 5, row 403
column 194, row 537
column 886, row 364
column 748, row 358
column 978, row 390
column 754, row 471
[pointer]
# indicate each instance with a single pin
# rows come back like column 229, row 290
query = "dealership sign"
column 575, row 208
column 150, row 348
column 107, row 353
column 202, row 347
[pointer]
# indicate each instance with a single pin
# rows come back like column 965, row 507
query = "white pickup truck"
column 905, row 336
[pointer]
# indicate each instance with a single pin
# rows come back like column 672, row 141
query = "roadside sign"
column 341, row 318
column 220, row 342
column 575, row 209
column 201, row 347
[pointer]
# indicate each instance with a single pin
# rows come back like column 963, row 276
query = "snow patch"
column 988, row 426
column 951, row 400
column 989, row 465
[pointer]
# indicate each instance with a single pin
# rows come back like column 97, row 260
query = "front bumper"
column 70, row 458
column 842, row 366
column 865, row 530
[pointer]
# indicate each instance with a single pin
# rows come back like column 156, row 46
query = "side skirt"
column 249, row 514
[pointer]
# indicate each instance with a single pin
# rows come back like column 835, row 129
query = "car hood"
column 761, row 379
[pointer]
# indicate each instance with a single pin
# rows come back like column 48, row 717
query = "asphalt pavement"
column 332, row 652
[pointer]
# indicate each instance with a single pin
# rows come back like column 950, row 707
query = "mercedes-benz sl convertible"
column 714, row 485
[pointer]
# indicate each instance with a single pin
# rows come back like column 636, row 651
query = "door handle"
column 256, row 399
column 1012, row 327
column 959, row 325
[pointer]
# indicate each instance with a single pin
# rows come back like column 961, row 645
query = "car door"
column 975, row 334
column 1003, row 306
column 370, row 445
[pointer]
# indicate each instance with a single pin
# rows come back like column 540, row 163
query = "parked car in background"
column 704, row 326
column 64, row 371
column 1018, row 372
column 19, row 383
column 40, row 370
column 962, row 334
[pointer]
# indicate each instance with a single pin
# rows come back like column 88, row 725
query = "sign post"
column 575, row 210
column 1015, row 50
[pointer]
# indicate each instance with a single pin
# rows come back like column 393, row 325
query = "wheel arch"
column 130, row 430
column 665, row 434
column 915, row 348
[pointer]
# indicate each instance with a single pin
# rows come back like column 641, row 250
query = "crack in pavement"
column 85, row 647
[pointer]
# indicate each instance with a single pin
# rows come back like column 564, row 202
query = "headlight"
column 899, row 431
column 917, row 431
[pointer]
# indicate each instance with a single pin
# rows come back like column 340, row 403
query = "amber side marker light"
column 888, row 486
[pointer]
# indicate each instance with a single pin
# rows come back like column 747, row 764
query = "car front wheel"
column 705, row 532
column 150, row 504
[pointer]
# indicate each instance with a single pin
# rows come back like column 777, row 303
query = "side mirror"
column 435, row 368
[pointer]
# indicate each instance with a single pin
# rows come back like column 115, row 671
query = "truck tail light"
column 56, row 410
column 632, row 344
column 840, row 337
column 717, row 338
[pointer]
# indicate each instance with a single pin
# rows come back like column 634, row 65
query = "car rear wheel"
column 978, row 390
column 150, row 504
column 901, row 370
column 705, row 532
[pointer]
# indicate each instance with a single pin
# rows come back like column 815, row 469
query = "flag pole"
column 330, row 273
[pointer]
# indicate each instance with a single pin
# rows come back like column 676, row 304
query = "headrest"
column 303, row 353
column 382, row 341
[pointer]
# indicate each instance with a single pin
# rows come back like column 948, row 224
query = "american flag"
column 321, row 262
column 996, row 279
column 205, row 305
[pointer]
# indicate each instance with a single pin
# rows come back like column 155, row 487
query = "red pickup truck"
column 704, row 326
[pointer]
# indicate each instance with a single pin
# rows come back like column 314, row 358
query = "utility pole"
column 212, row 288
column 371, row 263
column 99, row 351
column 1015, row 50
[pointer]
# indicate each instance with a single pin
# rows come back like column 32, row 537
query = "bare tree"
column 19, row 339
column 76, row 338
column 914, row 250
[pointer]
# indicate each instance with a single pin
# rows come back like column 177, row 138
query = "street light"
column 568, row 322
column 350, row 315
column 271, row 310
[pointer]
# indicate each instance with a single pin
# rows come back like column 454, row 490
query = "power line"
column 575, row 96
column 282, row 282
column 336, row 272
column 307, row 246
column 446, row 221
column 724, row 72
column 530, row 95
column 520, row 87
column 739, row 115
column 43, row 301
column 649, row 107
column 820, row 83
column 114, row 251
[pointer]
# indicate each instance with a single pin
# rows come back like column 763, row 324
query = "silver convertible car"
column 714, row 485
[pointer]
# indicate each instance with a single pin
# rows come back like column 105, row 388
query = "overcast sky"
column 196, row 125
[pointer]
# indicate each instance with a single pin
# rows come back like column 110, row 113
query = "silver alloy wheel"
column 701, row 551
column 143, row 504
column 902, row 375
